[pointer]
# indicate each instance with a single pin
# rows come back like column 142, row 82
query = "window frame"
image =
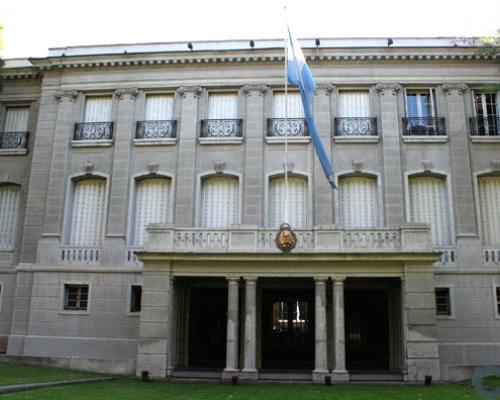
column 2, row 290
column 451, row 302
column 16, row 232
column 421, row 90
column 130, row 298
column 477, row 202
column 496, row 300
column 64, row 309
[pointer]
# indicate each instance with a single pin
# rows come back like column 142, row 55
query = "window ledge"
column 485, row 139
column 221, row 140
column 133, row 313
column 291, row 140
column 13, row 152
column 92, row 143
column 445, row 317
column 74, row 312
column 356, row 139
column 155, row 142
column 425, row 139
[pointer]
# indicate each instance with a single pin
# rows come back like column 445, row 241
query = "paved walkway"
column 32, row 386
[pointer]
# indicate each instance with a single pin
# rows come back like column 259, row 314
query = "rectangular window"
column 1, row 293
column 98, row 109
column 9, row 210
column 76, row 297
column 354, row 104
column 443, row 304
column 222, row 106
column 420, row 103
column 497, row 298
column 135, row 298
column 159, row 108
column 16, row 119
column 292, row 103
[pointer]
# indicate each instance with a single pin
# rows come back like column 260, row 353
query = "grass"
column 14, row 374
column 133, row 389
column 491, row 382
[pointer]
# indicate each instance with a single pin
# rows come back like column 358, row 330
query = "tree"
column 491, row 46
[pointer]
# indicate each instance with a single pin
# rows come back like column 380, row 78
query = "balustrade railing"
column 80, row 255
column 93, row 131
column 221, row 128
column 166, row 129
column 485, row 126
column 292, row 127
column 267, row 239
column 188, row 239
column 448, row 255
column 14, row 140
column 424, row 126
column 372, row 239
column 355, row 126
column 491, row 255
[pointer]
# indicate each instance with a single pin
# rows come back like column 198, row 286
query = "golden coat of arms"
column 285, row 238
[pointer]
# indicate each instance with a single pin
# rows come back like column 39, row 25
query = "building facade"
column 142, row 188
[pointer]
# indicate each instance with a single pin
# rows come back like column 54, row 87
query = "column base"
column 319, row 375
column 249, row 374
column 228, row 374
column 340, row 376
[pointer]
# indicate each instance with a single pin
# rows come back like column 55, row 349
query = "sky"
column 31, row 27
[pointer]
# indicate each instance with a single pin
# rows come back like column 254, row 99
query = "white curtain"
column 489, row 202
column 354, row 104
column 87, row 212
column 222, row 106
column 358, row 203
column 9, row 210
column 152, row 198
column 429, row 204
column 98, row 109
column 293, row 103
column 296, row 202
column 16, row 119
column 219, row 202
column 159, row 107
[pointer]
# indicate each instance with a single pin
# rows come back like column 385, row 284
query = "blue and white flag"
column 300, row 75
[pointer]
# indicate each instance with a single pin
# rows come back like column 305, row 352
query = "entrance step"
column 375, row 376
column 283, row 376
column 196, row 374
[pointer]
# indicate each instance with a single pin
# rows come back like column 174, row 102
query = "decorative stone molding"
column 254, row 90
column 461, row 88
column 288, row 166
column 380, row 88
column 495, row 165
column 127, row 93
column 66, row 96
column 325, row 88
column 89, row 168
column 357, row 166
column 219, row 166
column 190, row 91
column 153, row 168
column 427, row 165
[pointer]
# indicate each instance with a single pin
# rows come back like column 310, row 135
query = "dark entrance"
column 367, row 329
column 288, row 329
column 207, row 328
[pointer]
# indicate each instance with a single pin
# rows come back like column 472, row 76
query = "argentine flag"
column 300, row 76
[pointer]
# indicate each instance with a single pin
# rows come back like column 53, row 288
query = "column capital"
column 126, row 93
column 250, row 279
column 338, row 281
column 380, row 88
column 325, row 89
column 461, row 88
column 69, row 96
column 232, row 279
column 320, row 279
column 255, row 90
column 191, row 92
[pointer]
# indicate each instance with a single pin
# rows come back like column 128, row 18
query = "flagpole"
column 286, row 117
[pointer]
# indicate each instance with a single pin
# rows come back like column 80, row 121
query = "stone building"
column 142, row 186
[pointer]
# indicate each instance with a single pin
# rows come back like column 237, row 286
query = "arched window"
column 151, row 206
column 429, row 204
column 489, row 204
column 358, row 204
column 296, row 202
column 219, row 202
column 87, row 212
column 9, row 210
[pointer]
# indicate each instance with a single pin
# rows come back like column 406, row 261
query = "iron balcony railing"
column 220, row 128
column 355, row 126
column 14, row 140
column 485, row 126
column 93, row 131
column 165, row 129
column 292, row 127
column 424, row 126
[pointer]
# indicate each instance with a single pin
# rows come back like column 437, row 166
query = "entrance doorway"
column 288, row 329
column 207, row 327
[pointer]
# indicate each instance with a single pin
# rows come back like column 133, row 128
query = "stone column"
column 186, row 179
column 320, row 349
column 114, row 243
column 323, row 193
column 339, row 373
column 393, row 185
column 232, row 328
column 48, row 245
column 249, row 369
column 172, row 328
column 254, row 144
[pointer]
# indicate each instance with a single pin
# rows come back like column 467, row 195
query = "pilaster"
column 232, row 328
column 249, row 371
column 339, row 372
column 320, row 345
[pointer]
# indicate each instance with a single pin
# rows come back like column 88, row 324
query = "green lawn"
column 13, row 374
column 132, row 389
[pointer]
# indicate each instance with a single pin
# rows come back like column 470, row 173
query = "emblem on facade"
column 286, row 239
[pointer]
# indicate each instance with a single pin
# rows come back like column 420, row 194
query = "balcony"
column 14, row 143
column 155, row 132
column 485, row 129
column 355, row 129
column 296, row 130
column 93, row 134
column 424, row 127
column 221, row 131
